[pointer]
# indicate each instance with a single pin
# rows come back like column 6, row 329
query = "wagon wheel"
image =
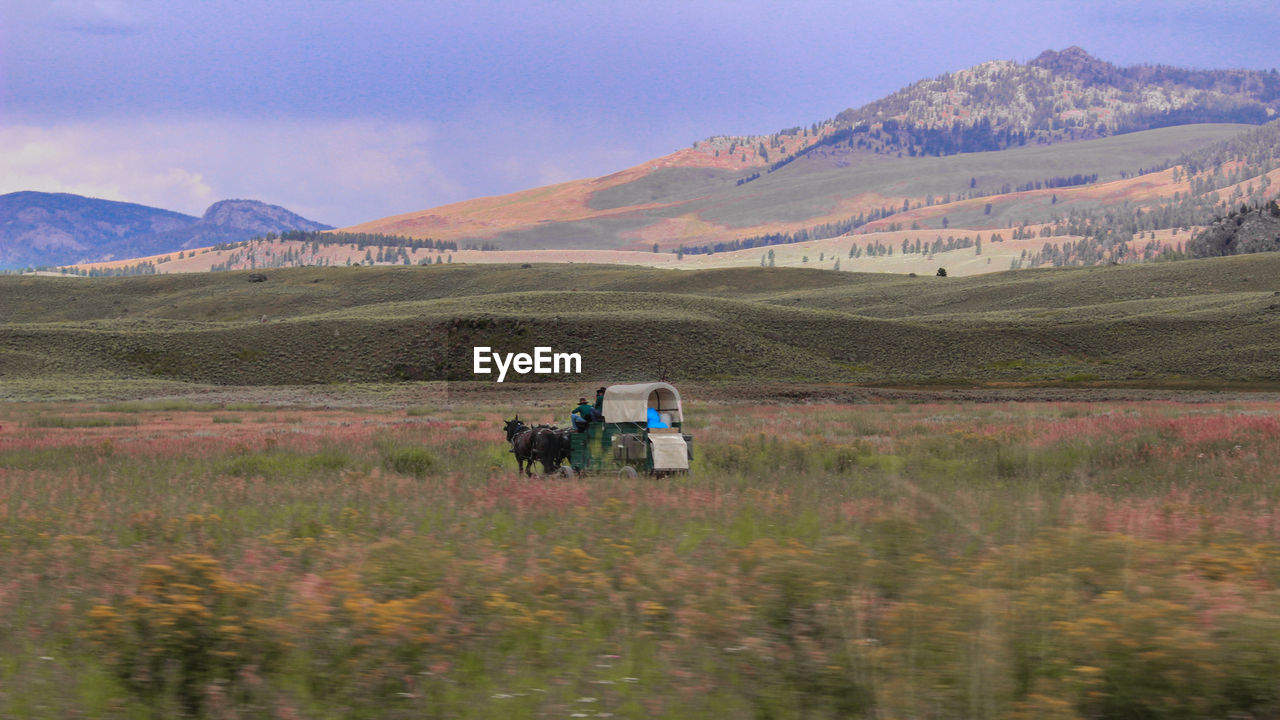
column 627, row 473
column 567, row 472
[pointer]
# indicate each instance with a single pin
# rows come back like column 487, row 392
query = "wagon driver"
column 582, row 414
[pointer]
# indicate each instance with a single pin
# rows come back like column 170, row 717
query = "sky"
column 351, row 111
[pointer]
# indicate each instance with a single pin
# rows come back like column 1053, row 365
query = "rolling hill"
column 1203, row 322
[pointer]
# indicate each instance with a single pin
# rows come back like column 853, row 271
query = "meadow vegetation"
column 1207, row 321
column 892, row 559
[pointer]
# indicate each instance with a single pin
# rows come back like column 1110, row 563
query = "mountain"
column 1057, row 97
column 256, row 217
column 45, row 229
column 1063, row 160
column 1066, row 147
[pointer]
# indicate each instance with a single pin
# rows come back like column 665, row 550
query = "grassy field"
column 912, row 497
column 1165, row 324
column 207, row 558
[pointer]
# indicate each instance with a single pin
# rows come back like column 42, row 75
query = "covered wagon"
column 642, row 432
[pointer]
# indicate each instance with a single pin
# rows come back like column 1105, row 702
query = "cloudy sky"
column 349, row 111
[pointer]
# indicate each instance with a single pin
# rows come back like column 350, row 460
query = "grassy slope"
column 669, row 204
column 815, row 186
column 1200, row 321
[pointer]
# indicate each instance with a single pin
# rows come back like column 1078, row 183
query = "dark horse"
column 551, row 447
column 521, row 438
column 542, row 443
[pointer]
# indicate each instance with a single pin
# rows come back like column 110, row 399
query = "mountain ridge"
column 45, row 229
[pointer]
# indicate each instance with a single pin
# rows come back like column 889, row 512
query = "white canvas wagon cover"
column 631, row 403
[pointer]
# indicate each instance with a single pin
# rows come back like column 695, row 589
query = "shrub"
column 281, row 464
column 416, row 461
column 186, row 627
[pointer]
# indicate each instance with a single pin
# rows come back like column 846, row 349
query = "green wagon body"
column 625, row 440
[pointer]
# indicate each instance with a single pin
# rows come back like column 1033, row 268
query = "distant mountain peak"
column 1060, row 96
column 1073, row 53
column 1076, row 62
column 257, row 216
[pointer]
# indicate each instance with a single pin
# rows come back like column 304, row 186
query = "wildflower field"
column 892, row 560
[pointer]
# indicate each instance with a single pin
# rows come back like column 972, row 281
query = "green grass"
column 276, row 464
column 144, row 406
column 667, row 185
column 415, row 461
column 1204, row 321
column 590, row 234
column 60, row 421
